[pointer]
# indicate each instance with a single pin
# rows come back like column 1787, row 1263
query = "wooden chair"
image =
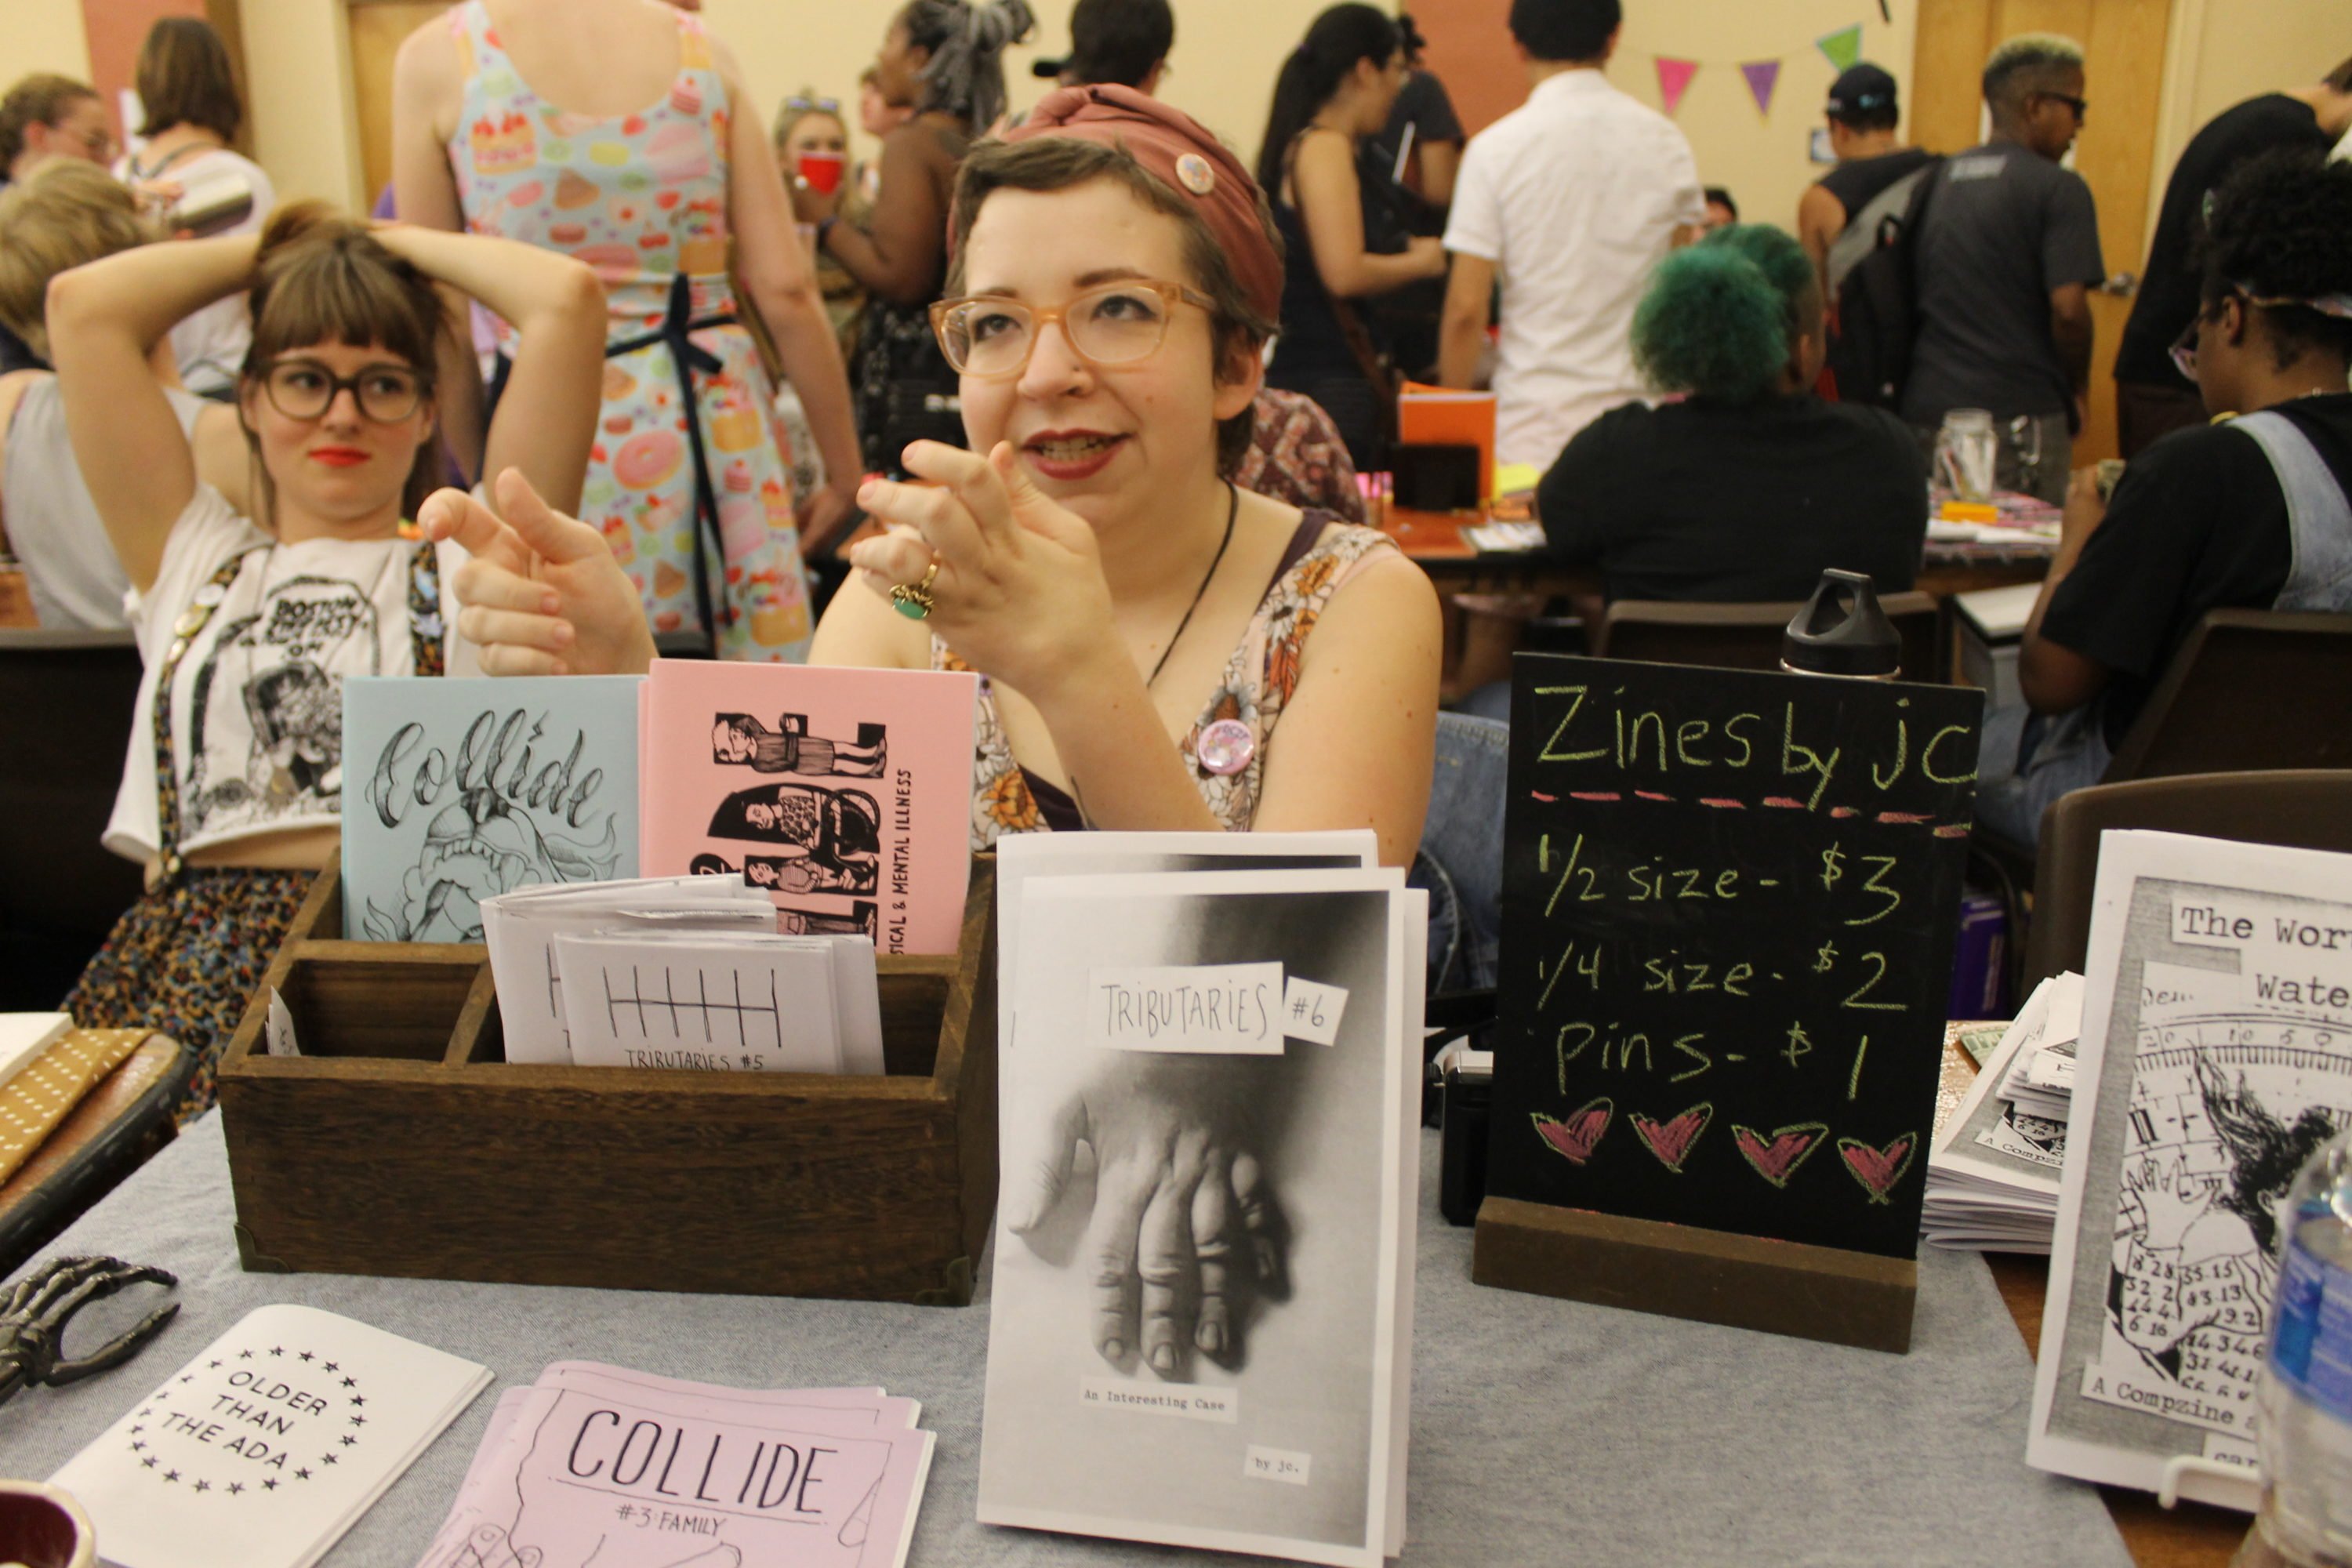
column 69, row 698
column 1747, row 635
column 2308, row 809
column 2249, row 690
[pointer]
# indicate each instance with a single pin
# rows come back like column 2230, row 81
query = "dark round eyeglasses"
column 306, row 389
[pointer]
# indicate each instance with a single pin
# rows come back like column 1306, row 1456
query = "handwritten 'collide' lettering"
column 713, row 1467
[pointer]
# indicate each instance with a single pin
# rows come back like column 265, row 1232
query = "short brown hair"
column 319, row 277
column 41, row 98
column 184, row 78
column 67, row 212
column 2340, row 79
column 1060, row 163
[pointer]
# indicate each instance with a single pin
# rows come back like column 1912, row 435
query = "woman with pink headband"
column 1143, row 624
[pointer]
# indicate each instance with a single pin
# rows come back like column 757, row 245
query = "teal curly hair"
column 1720, row 315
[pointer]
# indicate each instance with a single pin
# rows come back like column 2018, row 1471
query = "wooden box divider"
column 402, row 1142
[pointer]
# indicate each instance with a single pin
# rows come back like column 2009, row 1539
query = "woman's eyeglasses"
column 306, row 389
column 1118, row 324
column 801, row 104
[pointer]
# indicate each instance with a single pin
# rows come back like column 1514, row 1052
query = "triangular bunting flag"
column 1761, row 77
column 1674, row 81
column 1844, row 47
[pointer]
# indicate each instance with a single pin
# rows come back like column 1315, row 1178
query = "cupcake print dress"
column 688, row 477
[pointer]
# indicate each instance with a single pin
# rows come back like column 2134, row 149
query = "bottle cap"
column 1842, row 631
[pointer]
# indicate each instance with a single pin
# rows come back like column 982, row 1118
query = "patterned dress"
column 689, row 463
column 1257, row 684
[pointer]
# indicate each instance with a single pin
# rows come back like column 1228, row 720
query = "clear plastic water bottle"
column 2304, row 1426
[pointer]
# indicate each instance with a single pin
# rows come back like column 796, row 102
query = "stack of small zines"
column 678, row 972
column 1992, row 1176
column 601, row 1464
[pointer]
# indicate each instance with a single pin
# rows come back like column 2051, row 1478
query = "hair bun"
column 994, row 25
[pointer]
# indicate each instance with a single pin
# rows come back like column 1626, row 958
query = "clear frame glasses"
column 1114, row 324
column 306, row 389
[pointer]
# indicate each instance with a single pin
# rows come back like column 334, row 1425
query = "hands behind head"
column 1020, row 593
column 1185, row 1237
column 542, row 594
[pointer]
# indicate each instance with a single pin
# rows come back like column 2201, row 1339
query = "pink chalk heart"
column 1878, row 1169
column 1776, row 1158
column 1671, row 1140
column 1573, row 1139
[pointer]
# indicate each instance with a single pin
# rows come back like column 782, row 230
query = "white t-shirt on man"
column 1573, row 196
column 257, row 701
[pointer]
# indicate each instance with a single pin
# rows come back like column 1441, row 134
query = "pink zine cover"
column 846, row 794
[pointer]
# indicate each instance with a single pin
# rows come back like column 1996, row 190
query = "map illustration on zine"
column 2216, row 1058
column 457, row 791
column 844, row 794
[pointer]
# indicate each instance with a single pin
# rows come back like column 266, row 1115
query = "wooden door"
column 378, row 28
column 2124, row 43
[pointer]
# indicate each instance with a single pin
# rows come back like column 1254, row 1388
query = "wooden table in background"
column 1434, row 542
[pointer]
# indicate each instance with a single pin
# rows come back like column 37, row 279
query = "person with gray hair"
column 946, row 59
column 2007, row 253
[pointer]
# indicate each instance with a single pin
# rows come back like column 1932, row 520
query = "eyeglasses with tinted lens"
column 800, row 103
column 1118, row 324
column 2081, row 106
column 2184, row 350
column 306, row 389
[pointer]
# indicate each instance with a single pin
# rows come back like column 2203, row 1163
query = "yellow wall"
column 1223, row 67
column 43, row 36
column 305, row 133
column 1762, row 161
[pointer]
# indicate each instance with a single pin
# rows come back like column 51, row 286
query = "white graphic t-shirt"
column 257, row 702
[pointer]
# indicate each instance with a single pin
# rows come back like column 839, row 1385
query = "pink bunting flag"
column 1762, row 77
column 1674, row 81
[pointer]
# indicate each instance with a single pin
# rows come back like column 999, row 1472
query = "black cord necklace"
column 1233, row 507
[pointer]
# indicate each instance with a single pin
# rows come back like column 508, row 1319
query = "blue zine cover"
column 457, row 790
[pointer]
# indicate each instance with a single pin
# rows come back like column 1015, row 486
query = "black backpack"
column 1874, row 306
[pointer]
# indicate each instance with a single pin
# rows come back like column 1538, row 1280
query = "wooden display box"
column 403, row 1142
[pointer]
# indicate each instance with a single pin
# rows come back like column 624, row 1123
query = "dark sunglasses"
column 2081, row 106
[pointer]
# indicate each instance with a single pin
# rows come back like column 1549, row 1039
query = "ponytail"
column 967, row 42
column 1313, row 72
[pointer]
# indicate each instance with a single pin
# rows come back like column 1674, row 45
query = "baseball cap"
column 1862, row 89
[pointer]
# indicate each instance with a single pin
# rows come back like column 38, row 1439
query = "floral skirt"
column 186, row 959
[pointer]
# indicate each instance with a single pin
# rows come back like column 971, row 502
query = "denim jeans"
column 2029, row 760
column 1461, row 858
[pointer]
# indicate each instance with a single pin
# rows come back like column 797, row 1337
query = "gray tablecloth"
column 1543, row 1432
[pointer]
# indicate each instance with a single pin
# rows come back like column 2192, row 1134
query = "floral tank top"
column 689, row 476
column 1256, row 684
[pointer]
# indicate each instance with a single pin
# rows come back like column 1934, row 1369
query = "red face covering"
column 1184, row 156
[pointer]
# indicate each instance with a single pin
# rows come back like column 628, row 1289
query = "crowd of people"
column 1107, row 387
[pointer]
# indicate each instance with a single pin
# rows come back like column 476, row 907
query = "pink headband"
column 1186, row 158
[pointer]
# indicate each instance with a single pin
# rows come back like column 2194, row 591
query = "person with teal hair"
column 1741, row 484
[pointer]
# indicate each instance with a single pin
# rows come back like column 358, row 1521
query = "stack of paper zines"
column 1993, row 1175
column 627, row 1470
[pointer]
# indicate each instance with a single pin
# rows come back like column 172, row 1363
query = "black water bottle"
column 1842, row 631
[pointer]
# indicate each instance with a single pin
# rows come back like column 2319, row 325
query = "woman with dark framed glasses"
column 1144, row 625
column 234, row 784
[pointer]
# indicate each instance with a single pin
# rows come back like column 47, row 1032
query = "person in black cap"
column 1861, row 115
column 1115, row 42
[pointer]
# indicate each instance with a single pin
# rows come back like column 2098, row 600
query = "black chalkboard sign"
column 1729, row 901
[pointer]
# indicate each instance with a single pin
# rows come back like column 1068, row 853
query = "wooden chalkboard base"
column 1683, row 1271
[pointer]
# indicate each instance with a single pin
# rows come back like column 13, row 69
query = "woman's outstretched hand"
column 1020, row 593
column 542, row 594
